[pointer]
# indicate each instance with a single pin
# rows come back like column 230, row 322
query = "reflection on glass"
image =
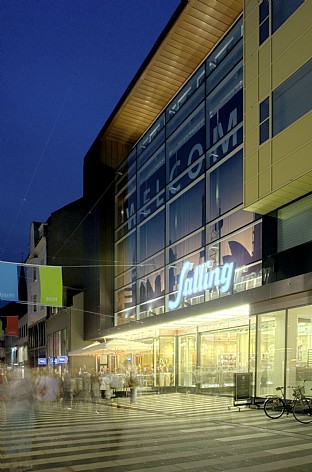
column 151, row 236
column 222, row 354
column 183, row 219
column 226, row 186
column 187, row 144
column 187, row 360
column 299, row 347
column 125, row 253
column 165, row 361
column 271, row 352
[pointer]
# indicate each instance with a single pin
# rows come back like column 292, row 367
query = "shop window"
column 165, row 361
column 223, row 353
column 264, row 120
column 271, row 352
column 299, row 346
column 292, row 99
column 187, row 361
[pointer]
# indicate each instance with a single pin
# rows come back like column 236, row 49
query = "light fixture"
column 173, row 189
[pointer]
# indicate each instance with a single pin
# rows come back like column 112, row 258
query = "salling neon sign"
column 203, row 278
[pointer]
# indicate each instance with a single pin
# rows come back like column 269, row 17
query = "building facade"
column 49, row 245
column 213, row 181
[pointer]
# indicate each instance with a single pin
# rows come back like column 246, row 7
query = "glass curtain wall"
column 180, row 195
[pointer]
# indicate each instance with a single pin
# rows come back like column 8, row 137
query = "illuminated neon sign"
column 203, row 278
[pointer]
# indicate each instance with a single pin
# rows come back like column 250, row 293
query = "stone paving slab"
column 163, row 433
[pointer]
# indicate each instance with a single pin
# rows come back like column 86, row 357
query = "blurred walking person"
column 20, row 411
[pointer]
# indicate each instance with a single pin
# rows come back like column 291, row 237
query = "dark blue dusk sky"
column 64, row 66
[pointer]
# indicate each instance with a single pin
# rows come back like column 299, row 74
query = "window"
column 126, row 204
column 292, row 99
column 187, row 213
column 294, row 224
column 264, row 18
column 34, row 302
column 186, row 101
column 151, row 236
column 151, row 141
column 126, row 253
column 282, row 10
column 226, row 186
column 151, row 177
column 225, row 116
column 264, row 120
column 186, row 144
column 271, row 352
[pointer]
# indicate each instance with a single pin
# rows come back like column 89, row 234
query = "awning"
column 114, row 346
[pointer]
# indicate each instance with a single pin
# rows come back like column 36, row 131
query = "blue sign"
column 53, row 360
column 42, row 361
column 62, row 359
column 203, row 277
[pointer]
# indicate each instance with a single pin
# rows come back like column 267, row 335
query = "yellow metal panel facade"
column 283, row 163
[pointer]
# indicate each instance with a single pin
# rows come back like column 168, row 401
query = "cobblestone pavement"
column 163, row 433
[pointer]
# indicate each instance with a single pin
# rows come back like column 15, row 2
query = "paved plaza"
column 163, row 433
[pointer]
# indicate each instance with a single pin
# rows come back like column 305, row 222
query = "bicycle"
column 300, row 406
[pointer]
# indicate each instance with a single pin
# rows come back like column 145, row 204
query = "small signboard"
column 53, row 360
column 42, row 361
column 62, row 359
column 242, row 385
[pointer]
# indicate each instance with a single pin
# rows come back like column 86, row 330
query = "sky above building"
column 64, row 66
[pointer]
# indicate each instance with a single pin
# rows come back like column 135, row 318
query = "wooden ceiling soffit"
column 198, row 27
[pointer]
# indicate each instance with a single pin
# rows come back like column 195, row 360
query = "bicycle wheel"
column 303, row 410
column 274, row 407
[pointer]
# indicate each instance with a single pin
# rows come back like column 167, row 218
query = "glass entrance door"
column 187, row 360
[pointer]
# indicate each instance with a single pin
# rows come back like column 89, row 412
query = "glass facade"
column 284, row 349
column 180, row 192
column 180, row 227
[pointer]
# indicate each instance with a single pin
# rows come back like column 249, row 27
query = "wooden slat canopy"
column 193, row 31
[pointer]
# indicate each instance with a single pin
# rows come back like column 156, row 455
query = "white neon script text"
column 202, row 279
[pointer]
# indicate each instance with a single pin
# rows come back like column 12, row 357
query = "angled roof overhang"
column 193, row 31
